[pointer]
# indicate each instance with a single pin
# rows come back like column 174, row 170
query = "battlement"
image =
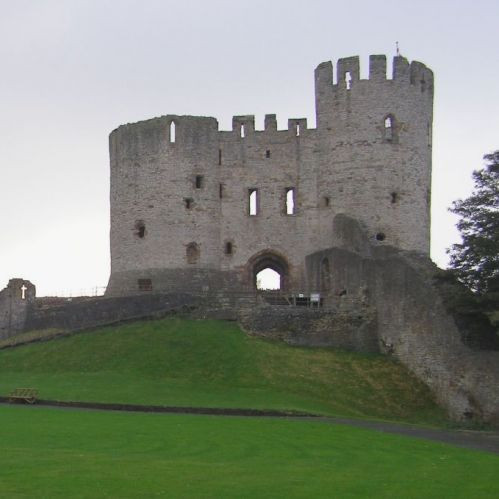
column 348, row 73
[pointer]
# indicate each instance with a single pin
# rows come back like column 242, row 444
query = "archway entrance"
column 268, row 279
column 268, row 270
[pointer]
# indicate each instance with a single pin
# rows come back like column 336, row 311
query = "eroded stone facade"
column 180, row 187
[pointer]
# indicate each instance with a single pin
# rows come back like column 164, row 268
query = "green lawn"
column 214, row 364
column 52, row 453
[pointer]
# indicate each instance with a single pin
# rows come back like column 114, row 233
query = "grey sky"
column 72, row 71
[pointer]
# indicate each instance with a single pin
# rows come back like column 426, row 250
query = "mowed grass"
column 181, row 362
column 56, row 453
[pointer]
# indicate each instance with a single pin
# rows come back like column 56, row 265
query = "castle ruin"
column 340, row 212
column 198, row 209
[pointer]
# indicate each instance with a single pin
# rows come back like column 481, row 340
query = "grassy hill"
column 214, row 364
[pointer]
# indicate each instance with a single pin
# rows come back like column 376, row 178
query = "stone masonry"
column 341, row 212
column 181, row 188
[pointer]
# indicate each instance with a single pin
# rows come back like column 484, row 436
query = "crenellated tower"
column 374, row 139
column 194, row 208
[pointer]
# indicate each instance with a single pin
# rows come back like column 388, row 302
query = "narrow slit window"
column 253, row 202
column 220, row 191
column 172, row 132
column 389, row 128
column 348, row 80
column 394, row 197
column 188, row 203
column 242, row 131
column 290, row 201
column 297, row 130
column 228, row 248
column 199, row 181
column 267, row 153
column 220, row 156
column 140, row 229
column 326, row 201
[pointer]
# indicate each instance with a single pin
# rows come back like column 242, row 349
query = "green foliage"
column 80, row 454
column 183, row 362
column 476, row 260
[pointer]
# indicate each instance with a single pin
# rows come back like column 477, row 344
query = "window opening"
column 172, row 132
column 389, row 128
column 199, row 181
column 144, row 284
column 348, row 80
column 380, row 236
column 188, row 203
column 242, row 131
column 290, row 201
column 192, row 253
column 220, row 156
column 325, row 275
column 220, row 191
column 253, row 202
column 268, row 279
column 228, row 248
column 140, row 229
column 297, row 129
column 326, row 201
column 267, row 153
column 394, row 197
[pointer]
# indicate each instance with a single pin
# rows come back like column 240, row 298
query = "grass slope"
column 213, row 364
column 68, row 453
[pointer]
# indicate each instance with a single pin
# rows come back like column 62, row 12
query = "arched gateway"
column 268, row 259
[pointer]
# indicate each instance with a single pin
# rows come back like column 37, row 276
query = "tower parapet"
column 375, row 146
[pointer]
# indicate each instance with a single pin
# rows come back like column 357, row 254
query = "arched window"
column 172, row 132
column 389, row 128
column 192, row 253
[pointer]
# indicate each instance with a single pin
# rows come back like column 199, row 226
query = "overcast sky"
column 73, row 70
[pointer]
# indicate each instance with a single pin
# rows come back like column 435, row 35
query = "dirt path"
column 477, row 440
column 471, row 439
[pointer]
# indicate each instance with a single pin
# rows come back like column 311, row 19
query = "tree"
column 476, row 260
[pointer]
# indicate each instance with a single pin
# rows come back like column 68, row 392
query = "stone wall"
column 15, row 302
column 352, row 328
column 458, row 362
column 180, row 205
column 73, row 316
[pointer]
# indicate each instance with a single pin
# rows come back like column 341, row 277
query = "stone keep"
column 180, row 187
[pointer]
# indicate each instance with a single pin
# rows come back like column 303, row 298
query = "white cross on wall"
column 23, row 292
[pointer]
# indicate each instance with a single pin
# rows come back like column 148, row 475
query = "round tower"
column 165, row 207
column 374, row 148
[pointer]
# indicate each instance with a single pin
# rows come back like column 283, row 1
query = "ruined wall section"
column 180, row 216
column 16, row 299
column 377, row 174
column 154, row 171
column 271, row 161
